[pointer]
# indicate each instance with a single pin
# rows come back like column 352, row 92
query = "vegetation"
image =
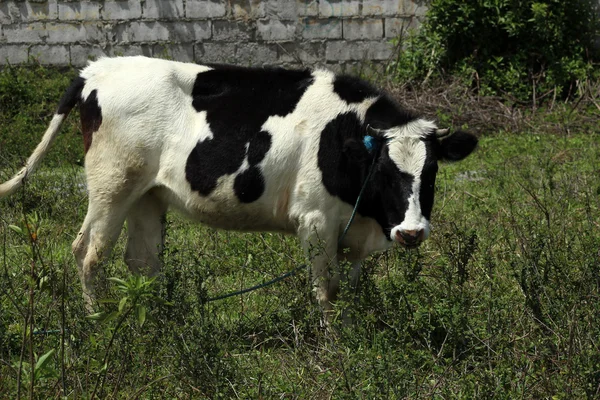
column 502, row 302
column 27, row 97
column 525, row 50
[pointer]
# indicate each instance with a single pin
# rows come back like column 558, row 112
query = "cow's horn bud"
column 375, row 131
column 440, row 133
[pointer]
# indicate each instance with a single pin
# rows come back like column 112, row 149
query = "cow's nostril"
column 410, row 236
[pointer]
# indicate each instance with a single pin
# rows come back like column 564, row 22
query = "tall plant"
column 522, row 48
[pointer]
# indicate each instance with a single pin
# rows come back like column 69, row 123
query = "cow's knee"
column 78, row 248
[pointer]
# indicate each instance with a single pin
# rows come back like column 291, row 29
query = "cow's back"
column 233, row 147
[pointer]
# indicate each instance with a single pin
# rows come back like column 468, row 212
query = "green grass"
column 502, row 301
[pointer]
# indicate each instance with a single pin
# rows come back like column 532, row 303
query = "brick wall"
column 246, row 32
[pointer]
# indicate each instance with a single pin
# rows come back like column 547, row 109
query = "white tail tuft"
column 9, row 187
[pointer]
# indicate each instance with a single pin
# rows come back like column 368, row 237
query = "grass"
column 502, row 302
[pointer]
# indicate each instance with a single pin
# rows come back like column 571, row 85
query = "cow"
column 248, row 149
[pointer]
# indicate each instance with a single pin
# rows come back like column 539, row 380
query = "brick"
column 308, row 8
column 25, row 33
column 314, row 28
column 50, row 55
column 414, row 7
column 71, row 33
column 121, row 10
column 282, row 9
column 215, row 52
column 360, row 29
column 248, row 9
column 371, row 70
column 151, row 31
column 339, row 8
column 336, row 68
column 232, row 31
column 177, row 52
column 79, row 11
column 396, row 26
column 383, row 7
column 255, row 54
column 81, row 54
column 144, row 31
column 274, row 29
column 205, row 8
column 130, row 50
column 30, row 11
column 358, row 51
column 14, row 54
column 9, row 12
column 162, row 9
column 186, row 32
column 301, row 53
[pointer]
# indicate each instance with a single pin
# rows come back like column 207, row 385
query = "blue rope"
column 262, row 285
column 293, row 272
column 358, row 199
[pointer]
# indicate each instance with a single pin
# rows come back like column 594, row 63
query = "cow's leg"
column 94, row 242
column 116, row 179
column 319, row 241
column 350, row 277
column 145, row 234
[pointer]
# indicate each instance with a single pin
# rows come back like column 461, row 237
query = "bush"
column 29, row 96
column 521, row 48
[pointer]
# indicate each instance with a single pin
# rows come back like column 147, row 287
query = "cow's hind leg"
column 100, row 230
column 145, row 234
column 115, row 183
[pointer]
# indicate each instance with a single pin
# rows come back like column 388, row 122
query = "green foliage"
column 43, row 369
column 137, row 293
column 29, row 96
column 510, row 47
column 503, row 300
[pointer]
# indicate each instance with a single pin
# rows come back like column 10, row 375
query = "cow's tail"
column 67, row 102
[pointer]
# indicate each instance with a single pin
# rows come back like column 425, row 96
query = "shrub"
column 29, row 96
column 522, row 48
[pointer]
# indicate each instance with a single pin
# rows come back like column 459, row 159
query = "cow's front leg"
column 319, row 240
column 350, row 279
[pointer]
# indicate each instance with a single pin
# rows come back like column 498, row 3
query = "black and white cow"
column 247, row 149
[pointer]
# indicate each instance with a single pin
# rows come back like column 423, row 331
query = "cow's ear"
column 457, row 146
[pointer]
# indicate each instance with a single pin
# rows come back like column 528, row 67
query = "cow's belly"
column 222, row 209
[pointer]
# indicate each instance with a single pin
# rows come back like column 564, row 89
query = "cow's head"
column 405, row 173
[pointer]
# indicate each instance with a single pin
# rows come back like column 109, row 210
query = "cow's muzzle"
column 410, row 238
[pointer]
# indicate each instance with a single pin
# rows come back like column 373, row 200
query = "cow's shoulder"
column 237, row 102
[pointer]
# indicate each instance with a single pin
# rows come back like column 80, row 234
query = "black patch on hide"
column 238, row 101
